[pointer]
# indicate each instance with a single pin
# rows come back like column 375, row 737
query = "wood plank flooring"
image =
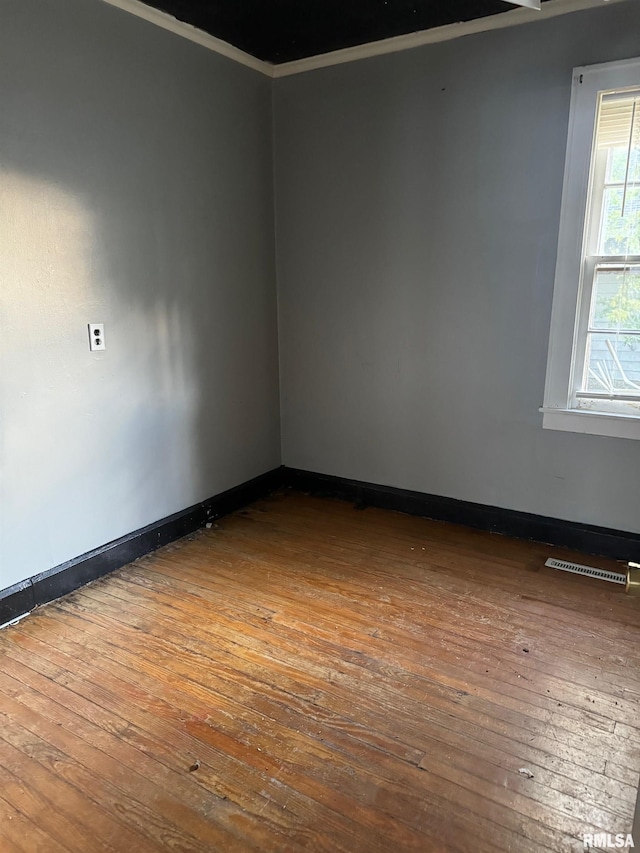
column 309, row 676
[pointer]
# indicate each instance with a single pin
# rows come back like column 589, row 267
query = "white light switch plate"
column 96, row 336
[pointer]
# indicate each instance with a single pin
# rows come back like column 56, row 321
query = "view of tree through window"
column 612, row 352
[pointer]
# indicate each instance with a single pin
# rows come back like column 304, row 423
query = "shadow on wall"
column 136, row 190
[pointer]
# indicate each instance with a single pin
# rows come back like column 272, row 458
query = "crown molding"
column 180, row 28
column 512, row 18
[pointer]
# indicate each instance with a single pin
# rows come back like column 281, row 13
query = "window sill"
column 591, row 423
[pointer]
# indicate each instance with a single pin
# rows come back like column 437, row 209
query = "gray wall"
column 136, row 189
column 418, row 200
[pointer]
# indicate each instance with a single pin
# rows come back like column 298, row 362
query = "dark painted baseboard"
column 24, row 596
column 587, row 538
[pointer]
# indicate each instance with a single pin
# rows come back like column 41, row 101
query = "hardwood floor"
column 308, row 676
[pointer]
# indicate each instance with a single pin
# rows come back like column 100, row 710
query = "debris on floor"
column 524, row 771
column 194, row 766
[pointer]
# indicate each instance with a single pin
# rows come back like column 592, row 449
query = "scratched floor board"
column 333, row 760
column 544, row 708
column 478, row 630
column 394, row 535
column 409, row 563
column 613, row 706
column 312, row 710
column 504, row 626
column 571, row 807
column 276, row 703
column 413, row 695
column 348, row 680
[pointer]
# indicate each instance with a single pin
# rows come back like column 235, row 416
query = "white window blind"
column 619, row 120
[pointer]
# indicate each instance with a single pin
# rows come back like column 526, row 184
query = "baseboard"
column 15, row 601
column 19, row 599
column 589, row 539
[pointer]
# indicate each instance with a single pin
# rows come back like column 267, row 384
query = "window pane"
column 617, row 165
column 620, row 235
column 612, row 363
column 616, row 299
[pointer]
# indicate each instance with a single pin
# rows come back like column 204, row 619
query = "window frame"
column 571, row 306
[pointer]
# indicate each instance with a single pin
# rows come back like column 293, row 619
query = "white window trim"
column 588, row 81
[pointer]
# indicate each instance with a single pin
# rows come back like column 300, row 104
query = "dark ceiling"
column 283, row 30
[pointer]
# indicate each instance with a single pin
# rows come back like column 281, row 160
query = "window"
column 593, row 371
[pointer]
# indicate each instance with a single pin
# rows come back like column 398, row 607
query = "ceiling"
column 284, row 30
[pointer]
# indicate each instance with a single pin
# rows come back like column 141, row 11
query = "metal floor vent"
column 589, row 571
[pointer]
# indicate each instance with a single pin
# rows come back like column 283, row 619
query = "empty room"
column 319, row 402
